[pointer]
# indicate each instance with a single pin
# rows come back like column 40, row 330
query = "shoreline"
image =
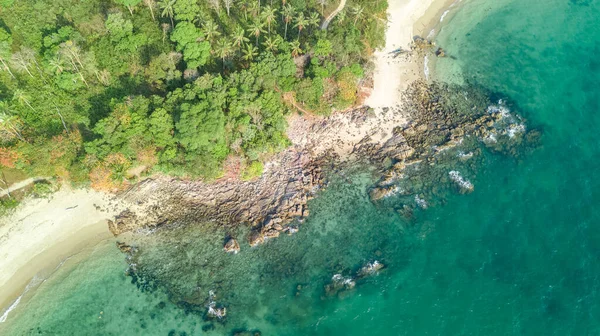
column 40, row 235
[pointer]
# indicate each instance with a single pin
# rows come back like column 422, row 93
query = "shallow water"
column 518, row 256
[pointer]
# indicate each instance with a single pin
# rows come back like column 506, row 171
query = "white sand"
column 392, row 75
column 41, row 233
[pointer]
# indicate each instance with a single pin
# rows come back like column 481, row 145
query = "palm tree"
column 255, row 29
column 301, row 23
column 314, row 19
column 150, row 4
column 57, row 64
column 254, row 8
column 268, row 14
column 211, row 30
column 239, row 37
column 358, row 12
column 288, row 14
column 167, row 9
column 228, row 4
column 250, row 52
column 9, row 121
column 21, row 62
column 22, row 98
column 341, row 17
column 244, row 5
column 296, row 50
column 223, row 49
column 271, row 44
column 322, row 3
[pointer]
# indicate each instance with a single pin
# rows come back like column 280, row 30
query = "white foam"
column 34, row 282
column 444, row 15
column 426, row 67
column 421, row 202
column 431, row 34
column 462, row 182
column 465, row 156
column 515, row 129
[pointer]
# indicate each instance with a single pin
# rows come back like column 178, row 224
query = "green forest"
column 93, row 90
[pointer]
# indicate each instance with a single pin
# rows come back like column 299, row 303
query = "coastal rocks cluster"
column 443, row 144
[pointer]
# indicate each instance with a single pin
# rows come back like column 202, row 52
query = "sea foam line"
column 34, row 282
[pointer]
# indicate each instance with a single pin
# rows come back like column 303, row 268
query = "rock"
column 256, row 238
column 270, row 234
column 370, row 269
column 124, row 247
column 379, row 193
column 339, row 283
column 440, row 52
column 123, row 222
column 232, row 246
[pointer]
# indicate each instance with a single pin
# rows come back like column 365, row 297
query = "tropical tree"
column 211, row 30
column 150, row 4
column 288, row 14
column 239, row 37
column 255, row 29
column 23, row 99
column 322, row 3
column 224, row 49
column 5, row 50
column 22, row 61
column 71, row 51
column 10, row 123
column 216, row 4
column 249, row 52
column 314, row 19
column 57, row 64
column 244, row 5
column 269, row 15
column 254, row 9
column 129, row 4
column 166, row 7
column 301, row 23
column 341, row 17
column 271, row 43
column 228, row 4
column 296, row 50
column 358, row 11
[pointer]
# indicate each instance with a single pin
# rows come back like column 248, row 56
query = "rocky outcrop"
column 442, row 145
column 268, row 204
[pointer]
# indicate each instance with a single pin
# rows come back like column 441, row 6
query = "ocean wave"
column 426, row 67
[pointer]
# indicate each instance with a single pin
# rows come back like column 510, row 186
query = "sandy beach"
column 42, row 233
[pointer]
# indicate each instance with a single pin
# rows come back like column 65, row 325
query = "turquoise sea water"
column 518, row 256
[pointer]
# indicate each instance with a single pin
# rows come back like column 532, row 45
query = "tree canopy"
column 90, row 89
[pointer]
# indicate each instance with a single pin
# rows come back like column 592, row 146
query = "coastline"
column 41, row 234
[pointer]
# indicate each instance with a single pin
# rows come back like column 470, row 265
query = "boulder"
column 232, row 246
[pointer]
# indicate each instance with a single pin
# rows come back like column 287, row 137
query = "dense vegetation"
column 90, row 90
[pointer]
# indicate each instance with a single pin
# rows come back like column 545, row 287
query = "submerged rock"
column 215, row 311
column 339, row 283
column 370, row 269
